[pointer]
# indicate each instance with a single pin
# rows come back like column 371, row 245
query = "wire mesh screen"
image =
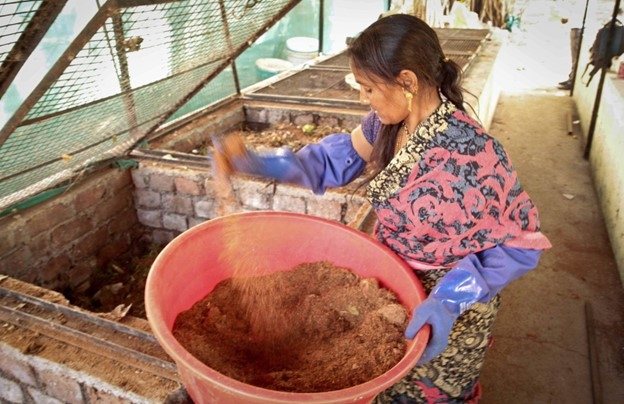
column 14, row 18
column 325, row 82
column 127, row 73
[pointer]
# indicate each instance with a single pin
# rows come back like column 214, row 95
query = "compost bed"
column 314, row 328
column 257, row 135
column 122, row 281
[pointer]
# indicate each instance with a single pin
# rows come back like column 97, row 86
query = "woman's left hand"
column 432, row 311
column 476, row 278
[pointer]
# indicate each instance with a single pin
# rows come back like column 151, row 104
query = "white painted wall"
column 607, row 145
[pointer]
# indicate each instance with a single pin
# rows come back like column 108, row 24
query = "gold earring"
column 408, row 96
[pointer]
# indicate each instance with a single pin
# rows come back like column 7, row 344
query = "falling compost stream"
column 312, row 328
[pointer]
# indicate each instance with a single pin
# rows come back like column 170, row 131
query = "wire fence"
column 134, row 65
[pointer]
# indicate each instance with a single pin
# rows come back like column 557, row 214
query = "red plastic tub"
column 191, row 265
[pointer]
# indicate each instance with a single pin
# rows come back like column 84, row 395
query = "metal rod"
column 306, row 100
column 179, row 159
column 603, row 74
column 69, row 312
column 85, row 341
column 228, row 40
column 594, row 361
column 56, row 71
column 578, row 48
column 124, row 79
column 220, row 68
column 28, row 41
column 321, row 26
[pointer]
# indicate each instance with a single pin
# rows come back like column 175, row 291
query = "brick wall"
column 45, row 360
column 172, row 198
column 33, row 379
column 60, row 242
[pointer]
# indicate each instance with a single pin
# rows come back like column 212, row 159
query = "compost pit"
column 259, row 135
column 314, row 328
column 119, row 286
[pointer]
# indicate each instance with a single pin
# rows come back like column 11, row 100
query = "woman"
column 446, row 196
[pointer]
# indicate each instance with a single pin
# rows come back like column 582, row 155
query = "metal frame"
column 111, row 9
column 28, row 41
column 127, row 114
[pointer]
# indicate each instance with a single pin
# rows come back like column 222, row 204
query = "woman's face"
column 386, row 99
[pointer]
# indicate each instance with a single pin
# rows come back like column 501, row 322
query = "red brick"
column 80, row 274
column 90, row 245
column 111, row 179
column 52, row 272
column 188, row 186
column 117, row 181
column 18, row 370
column 102, row 397
column 180, row 204
column 16, row 263
column 39, row 247
column 87, row 197
column 123, row 222
column 161, row 182
column 14, row 233
column 112, row 250
column 70, row 231
column 111, row 207
column 48, row 217
column 62, row 388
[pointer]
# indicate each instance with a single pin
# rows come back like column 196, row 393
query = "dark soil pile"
column 314, row 328
column 261, row 136
column 118, row 285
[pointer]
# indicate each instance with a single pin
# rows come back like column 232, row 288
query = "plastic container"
column 268, row 67
column 189, row 267
column 301, row 49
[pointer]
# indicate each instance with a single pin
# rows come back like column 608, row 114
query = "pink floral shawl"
column 449, row 192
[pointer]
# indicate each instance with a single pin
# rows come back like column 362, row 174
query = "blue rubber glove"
column 476, row 278
column 332, row 162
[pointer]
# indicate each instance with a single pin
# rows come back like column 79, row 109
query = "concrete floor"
column 559, row 337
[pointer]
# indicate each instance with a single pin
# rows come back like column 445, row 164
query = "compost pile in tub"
column 314, row 328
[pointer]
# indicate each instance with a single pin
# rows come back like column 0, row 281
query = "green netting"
column 14, row 17
column 130, row 70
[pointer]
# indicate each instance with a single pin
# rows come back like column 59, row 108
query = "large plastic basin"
column 189, row 267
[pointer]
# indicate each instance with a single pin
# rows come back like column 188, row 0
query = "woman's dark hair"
column 403, row 42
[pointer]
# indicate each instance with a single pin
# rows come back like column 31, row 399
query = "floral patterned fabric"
column 450, row 191
column 453, row 376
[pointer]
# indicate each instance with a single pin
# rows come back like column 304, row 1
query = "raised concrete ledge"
column 482, row 81
column 607, row 165
column 43, row 358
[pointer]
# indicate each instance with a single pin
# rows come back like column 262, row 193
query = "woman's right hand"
column 228, row 148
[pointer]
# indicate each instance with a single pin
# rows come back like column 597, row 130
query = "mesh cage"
column 135, row 65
